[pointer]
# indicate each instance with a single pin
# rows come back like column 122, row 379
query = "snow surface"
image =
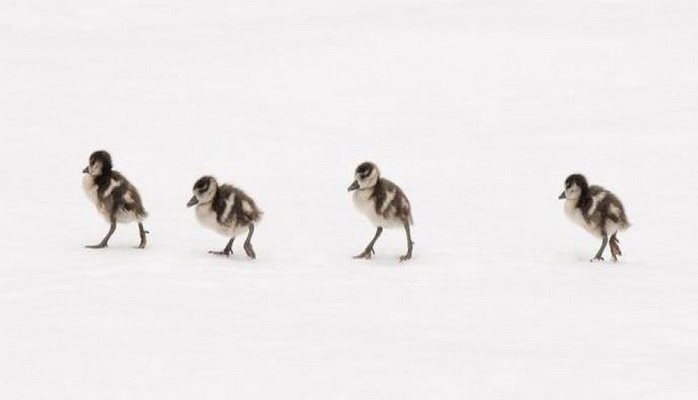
column 478, row 109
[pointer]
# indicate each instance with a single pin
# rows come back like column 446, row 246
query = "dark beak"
column 562, row 196
column 86, row 170
column 354, row 186
column 194, row 201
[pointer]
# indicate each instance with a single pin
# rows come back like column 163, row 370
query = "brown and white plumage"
column 226, row 210
column 116, row 199
column 383, row 202
column 597, row 210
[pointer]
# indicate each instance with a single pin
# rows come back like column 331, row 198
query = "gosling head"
column 204, row 190
column 575, row 184
column 365, row 177
column 99, row 163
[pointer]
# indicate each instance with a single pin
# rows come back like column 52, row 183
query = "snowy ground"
column 478, row 109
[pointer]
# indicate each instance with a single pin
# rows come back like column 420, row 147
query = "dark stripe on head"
column 365, row 169
column 203, row 184
column 577, row 179
column 104, row 158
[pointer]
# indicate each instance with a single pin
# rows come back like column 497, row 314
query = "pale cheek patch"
column 374, row 175
column 207, row 196
column 370, row 180
column 573, row 192
column 95, row 169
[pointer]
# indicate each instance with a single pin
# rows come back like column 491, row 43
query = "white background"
column 478, row 109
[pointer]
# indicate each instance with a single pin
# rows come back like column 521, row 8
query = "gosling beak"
column 194, row 201
column 562, row 196
column 86, row 170
column 353, row 186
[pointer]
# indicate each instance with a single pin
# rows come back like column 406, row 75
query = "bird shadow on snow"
column 121, row 249
column 384, row 261
column 583, row 260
